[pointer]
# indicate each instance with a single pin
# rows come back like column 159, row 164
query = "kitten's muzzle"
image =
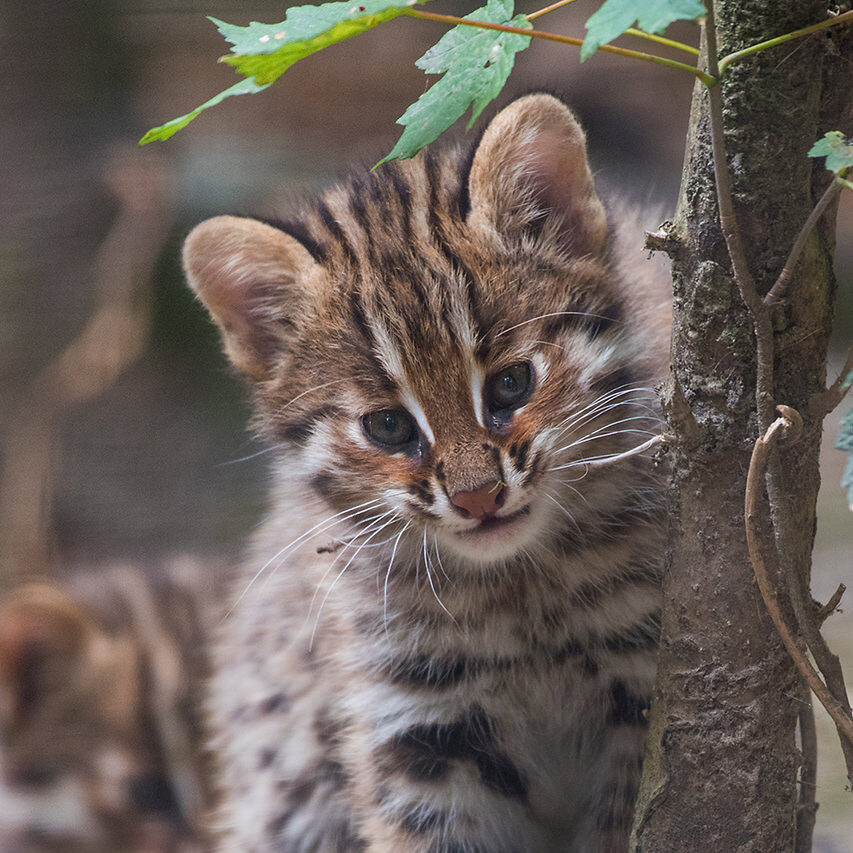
column 484, row 500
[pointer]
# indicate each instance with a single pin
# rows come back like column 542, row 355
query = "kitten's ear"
column 250, row 276
column 530, row 171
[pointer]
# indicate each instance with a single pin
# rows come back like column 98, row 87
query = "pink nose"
column 481, row 501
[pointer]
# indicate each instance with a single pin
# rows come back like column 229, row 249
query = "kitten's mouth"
column 496, row 522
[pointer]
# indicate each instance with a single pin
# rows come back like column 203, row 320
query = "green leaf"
column 266, row 51
column 475, row 64
column 263, row 52
column 845, row 433
column 653, row 16
column 170, row 128
column 845, row 442
column 837, row 150
column 847, row 481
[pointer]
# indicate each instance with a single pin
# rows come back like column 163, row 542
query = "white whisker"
column 577, row 424
column 368, row 526
column 606, row 403
column 315, row 388
column 438, row 556
column 387, row 577
column 431, row 584
column 564, row 511
column 600, row 433
column 250, row 456
column 325, row 523
column 609, row 458
column 558, row 314
column 340, row 574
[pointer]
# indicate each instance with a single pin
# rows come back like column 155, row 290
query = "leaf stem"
column 707, row 79
column 559, row 4
column 678, row 45
column 844, row 182
column 844, row 18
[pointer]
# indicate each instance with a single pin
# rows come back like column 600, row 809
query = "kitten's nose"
column 481, row 501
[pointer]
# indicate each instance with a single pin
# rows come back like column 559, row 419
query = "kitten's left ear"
column 530, row 171
column 254, row 279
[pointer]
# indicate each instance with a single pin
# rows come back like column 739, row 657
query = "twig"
column 832, row 605
column 663, row 438
column 806, row 804
column 558, row 5
column 777, row 291
column 765, row 559
column 845, row 18
column 663, row 240
column 795, row 574
column 761, row 318
column 728, row 219
column 822, row 404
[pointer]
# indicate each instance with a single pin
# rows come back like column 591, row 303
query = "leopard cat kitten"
column 100, row 723
column 445, row 636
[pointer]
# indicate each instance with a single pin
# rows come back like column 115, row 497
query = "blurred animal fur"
column 100, row 722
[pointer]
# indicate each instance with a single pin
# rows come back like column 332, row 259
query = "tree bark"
column 722, row 760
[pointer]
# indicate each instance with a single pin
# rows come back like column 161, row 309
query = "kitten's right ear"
column 530, row 171
column 249, row 275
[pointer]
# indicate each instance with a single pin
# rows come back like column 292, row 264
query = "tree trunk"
column 722, row 760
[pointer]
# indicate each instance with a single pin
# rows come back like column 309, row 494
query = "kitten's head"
column 441, row 343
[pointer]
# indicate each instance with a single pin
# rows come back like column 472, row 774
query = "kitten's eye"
column 390, row 428
column 510, row 388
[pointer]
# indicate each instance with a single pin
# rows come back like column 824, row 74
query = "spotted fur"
column 445, row 646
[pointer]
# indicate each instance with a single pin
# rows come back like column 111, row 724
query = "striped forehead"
column 430, row 358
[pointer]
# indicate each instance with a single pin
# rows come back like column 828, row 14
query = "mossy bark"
column 722, row 759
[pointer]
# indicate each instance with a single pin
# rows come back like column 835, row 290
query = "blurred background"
column 123, row 429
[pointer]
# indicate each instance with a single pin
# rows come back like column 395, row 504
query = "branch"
column 822, row 404
column 845, row 18
column 112, row 339
column 832, row 605
column 761, row 318
column 728, row 219
column 777, row 291
column 663, row 439
column 806, row 805
column 765, row 559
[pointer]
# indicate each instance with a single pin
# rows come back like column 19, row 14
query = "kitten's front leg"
column 442, row 787
column 614, row 781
